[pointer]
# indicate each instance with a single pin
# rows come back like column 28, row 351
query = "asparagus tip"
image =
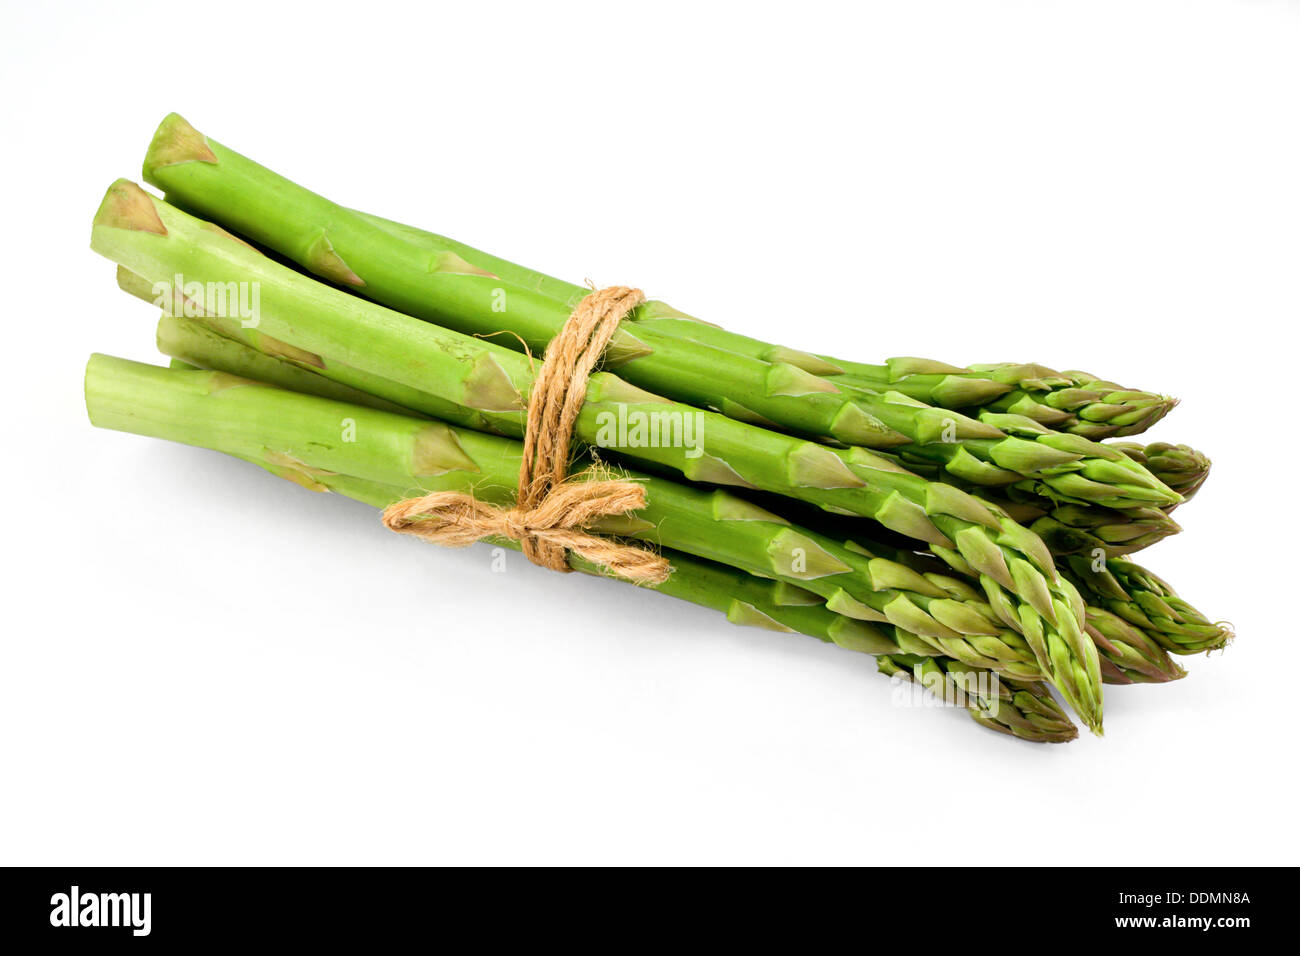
column 292, row 470
column 1228, row 634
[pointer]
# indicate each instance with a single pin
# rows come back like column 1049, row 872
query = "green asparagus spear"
column 1073, row 529
column 1137, row 596
column 1180, row 467
column 1070, row 529
column 443, row 286
column 1128, row 655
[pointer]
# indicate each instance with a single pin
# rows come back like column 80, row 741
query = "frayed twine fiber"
column 551, row 511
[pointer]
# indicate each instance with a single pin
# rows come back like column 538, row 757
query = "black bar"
column 333, row 906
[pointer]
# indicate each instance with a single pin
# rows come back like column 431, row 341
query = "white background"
column 203, row 664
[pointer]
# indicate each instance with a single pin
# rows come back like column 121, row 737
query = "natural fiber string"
column 551, row 511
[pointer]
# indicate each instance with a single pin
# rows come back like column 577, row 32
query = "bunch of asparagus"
column 966, row 525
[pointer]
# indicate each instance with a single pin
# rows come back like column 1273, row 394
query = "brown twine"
column 551, row 510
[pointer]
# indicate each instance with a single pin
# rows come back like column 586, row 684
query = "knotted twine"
column 551, row 510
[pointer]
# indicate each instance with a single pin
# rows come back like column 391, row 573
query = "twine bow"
column 552, row 511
